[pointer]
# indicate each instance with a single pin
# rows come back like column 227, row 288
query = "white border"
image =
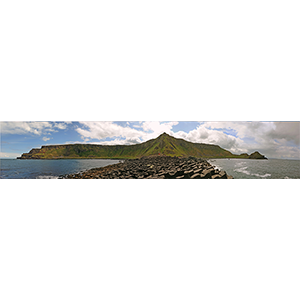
column 141, row 239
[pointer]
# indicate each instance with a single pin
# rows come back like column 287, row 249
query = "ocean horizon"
column 238, row 168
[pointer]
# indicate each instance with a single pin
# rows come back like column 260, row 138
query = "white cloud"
column 204, row 134
column 118, row 141
column 25, row 127
column 61, row 125
column 9, row 155
column 102, row 130
column 155, row 128
column 36, row 128
column 105, row 129
column 273, row 139
column 288, row 131
column 45, row 139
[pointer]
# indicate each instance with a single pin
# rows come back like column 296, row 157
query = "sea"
column 48, row 168
column 259, row 168
column 238, row 168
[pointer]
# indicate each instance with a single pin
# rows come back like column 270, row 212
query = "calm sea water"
column 256, row 168
column 238, row 168
column 27, row 168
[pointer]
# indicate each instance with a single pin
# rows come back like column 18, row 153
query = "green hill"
column 256, row 155
column 162, row 145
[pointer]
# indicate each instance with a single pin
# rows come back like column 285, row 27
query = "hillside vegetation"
column 162, row 145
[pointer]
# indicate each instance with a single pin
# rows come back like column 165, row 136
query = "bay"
column 48, row 168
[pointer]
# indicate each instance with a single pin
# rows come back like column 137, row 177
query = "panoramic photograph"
column 163, row 90
column 150, row 150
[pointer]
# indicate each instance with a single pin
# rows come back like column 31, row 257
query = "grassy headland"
column 162, row 145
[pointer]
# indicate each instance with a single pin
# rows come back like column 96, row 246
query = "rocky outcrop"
column 155, row 167
column 256, row 155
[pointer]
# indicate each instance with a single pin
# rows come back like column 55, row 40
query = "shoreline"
column 154, row 167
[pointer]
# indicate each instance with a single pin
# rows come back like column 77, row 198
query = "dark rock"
column 179, row 173
column 158, row 167
column 171, row 174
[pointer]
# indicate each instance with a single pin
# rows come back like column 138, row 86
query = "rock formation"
column 155, row 167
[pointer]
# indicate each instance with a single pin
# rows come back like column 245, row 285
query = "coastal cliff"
column 162, row 145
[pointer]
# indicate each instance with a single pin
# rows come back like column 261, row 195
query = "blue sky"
column 273, row 139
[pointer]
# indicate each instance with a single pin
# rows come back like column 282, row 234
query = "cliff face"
column 162, row 145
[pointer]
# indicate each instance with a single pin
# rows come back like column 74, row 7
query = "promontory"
column 162, row 145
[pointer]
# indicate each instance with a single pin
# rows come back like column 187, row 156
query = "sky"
column 272, row 139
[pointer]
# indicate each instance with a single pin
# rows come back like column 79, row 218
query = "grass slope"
column 164, row 144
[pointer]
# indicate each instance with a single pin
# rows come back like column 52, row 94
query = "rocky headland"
column 155, row 167
column 256, row 155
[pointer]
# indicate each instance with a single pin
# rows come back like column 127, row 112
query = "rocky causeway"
column 154, row 167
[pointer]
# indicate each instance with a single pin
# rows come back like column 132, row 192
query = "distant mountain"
column 162, row 145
